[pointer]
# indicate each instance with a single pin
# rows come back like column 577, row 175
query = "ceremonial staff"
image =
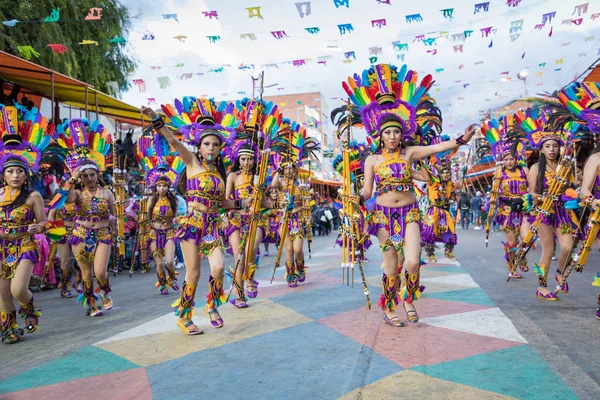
column 119, row 182
column 494, row 198
column 352, row 236
column 288, row 210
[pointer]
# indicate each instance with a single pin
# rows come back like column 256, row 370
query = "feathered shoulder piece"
column 158, row 159
column 85, row 141
column 196, row 118
column 385, row 89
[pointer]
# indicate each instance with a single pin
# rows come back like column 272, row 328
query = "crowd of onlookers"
column 325, row 218
column 473, row 210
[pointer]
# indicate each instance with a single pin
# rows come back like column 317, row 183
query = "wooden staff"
column 556, row 187
column 493, row 199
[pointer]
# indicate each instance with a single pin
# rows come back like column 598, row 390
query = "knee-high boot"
column 9, row 329
column 30, row 314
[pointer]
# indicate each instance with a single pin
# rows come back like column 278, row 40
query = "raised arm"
column 416, row 153
column 187, row 156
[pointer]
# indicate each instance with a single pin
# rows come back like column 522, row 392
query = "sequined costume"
column 161, row 214
column 438, row 225
column 14, row 221
column 512, row 188
column 560, row 218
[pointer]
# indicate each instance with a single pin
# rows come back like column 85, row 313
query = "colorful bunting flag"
column 279, row 34
column 379, row 23
column 250, row 36
column 485, row 32
column 58, row 48
column 458, row 48
column 303, row 8
column 581, row 9
column 94, row 14
column 345, row 28
column 341, row 3
column 413, row 18
column 88, row 42
column 548, row 17
column 512, row 3
column 170, row 16
column 148, row 36
column 12, row 22
column 141, row 84
column 254, row 12
column 516, row 26
column 211, row 14
column 28, row 52
column 213, row 39
column 164, row 82
column 349, row 54
column 54, row 16
column 482, row 7
column 313, row 31
column 447, row 13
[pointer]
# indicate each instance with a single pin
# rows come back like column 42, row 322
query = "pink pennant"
column 58, row 48
column 578, row 21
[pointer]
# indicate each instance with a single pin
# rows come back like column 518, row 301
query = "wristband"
column 158, row 123
column 237, row 204
column 460, row 141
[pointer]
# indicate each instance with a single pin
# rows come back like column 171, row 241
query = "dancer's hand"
column 469, row 133
column 148, row 112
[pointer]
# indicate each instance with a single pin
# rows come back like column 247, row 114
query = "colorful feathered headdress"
column 356, row 169
column 86, row 142
column 294, row 144
column 24, row 133
column 158, row 159
column 583, row 102
column 383, row 89
column 197, row 118
column 534, row 122
column 503, row 139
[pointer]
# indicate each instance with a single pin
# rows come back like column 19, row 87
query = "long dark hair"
column 170, row 196
column 25, row 189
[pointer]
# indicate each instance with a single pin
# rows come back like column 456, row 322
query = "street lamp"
column 523, row 76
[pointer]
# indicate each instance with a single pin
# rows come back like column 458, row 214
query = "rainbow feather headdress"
column 294, row 144
column 535, row 124
column 196, row 118
column 24, row 133
column 383, row 89
column 583, row 101
column 356, row 151
column 504, row 140
column 158, row 160
column 86, row 142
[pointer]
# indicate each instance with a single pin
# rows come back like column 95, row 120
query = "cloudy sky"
column 204, row 54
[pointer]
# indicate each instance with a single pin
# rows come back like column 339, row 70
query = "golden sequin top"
column 162, row 212
column 91, row 208
column 206, row 188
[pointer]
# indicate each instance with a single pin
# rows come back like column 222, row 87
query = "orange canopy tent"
column 44, row 82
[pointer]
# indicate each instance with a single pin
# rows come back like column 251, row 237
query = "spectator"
column 477, row 206
column 464, row 205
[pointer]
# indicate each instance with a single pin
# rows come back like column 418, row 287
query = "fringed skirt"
column 394, row 220
column 271, row 229
column 90, row 237
column 438, row 226
column 160, row 237
column 295, row 229
column 13, row 251
column 559, row 218
column 202, row 228
column 507, row 219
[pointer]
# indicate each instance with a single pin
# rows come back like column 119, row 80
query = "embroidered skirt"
column 394, row 220
column 90, row 237
column 201, row 227
column 13, row 251
column 559, row 218
column 160, row 237
column 438, row 226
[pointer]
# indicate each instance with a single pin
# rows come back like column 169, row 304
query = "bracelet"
column 460, row 141
column 158, row 123
column 237, row 204
column 41, row 229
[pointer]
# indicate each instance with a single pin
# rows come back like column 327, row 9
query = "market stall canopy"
column 40, row 80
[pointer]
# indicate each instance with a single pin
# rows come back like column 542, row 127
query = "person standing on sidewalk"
column 476, row 206
column 464, row 206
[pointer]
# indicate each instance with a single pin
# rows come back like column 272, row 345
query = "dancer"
column 95, row 207
column 438, row 224
column 240, row 187
column 389, row 115
column 298, row 148
column 162, row 173
column 511, row 186
column 199, row 231
column 557, row 221
column 21, row 217
column 65, row 214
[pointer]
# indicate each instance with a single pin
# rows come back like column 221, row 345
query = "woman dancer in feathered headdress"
column 508, row 147
column 558, row 221
column 295, row 147
column 22, row 216
column 259, row 120
column 583, row 102
column 205, row 127
column 162, row 174
column 438, row 224
column 91, row 240
column 396, row 111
